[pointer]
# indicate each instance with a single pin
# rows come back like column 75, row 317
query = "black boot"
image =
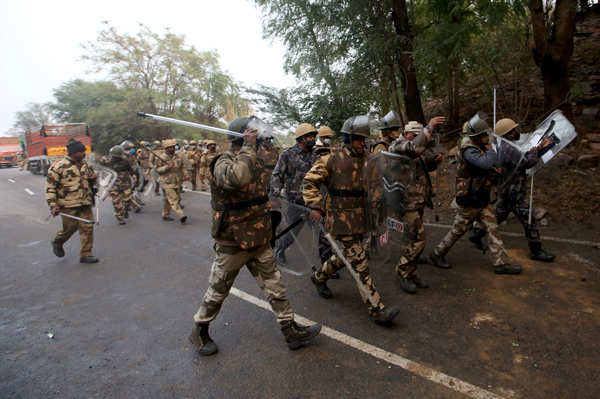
column 58, row 250
column 476, row 238
column 419, row 282
column 537, row 253
column 297, row 335
column 122, row 222
column 202, row 341
column 439, row 261
column 322, row 289
column 407, row 286
column 183, row 220
column 385, row 316
column 167, row 218
column 88, row 259
column 508, row 269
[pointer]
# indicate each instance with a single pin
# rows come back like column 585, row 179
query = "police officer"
column 512, row 192
column 242, row 231
column 194, row 154
column 476, row 174
column 205, row 160
column 286, row 181
column 391, row 128
column 170, row 167
column 343, row 174
column 120, row 192
column 414, row 144
column 69, row 190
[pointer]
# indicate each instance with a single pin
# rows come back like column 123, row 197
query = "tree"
column 34, row 116
column 553, row 29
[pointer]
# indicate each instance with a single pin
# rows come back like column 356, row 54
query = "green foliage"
column 34, row 115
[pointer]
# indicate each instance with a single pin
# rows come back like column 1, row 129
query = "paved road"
column 120, row 326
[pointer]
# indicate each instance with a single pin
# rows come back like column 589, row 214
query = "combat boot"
column 407, row 286
column 122, row 222
column 439, row 261
column 202, row 341
column 476, row 238
column 167, row 218
column 183, row 220
column 385, row 316
column 297, row 335
column 537, row 253
column 507, row 269
column 419, row 282
column 88, row 259
column 58, row 250
column 322, row 289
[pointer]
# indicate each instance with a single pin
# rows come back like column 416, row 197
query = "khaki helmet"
column 169, row 143
column 156, row 142
column 185, row 142
column 325, row 131
column 303, row 129
column 390, row 121
column 209, row 142
column 358, row 125
column 504, row 126
column 413, row 127
column 464, row 128
column 193, row 142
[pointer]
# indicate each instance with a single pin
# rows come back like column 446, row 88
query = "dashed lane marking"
column 546, row 238
column 411, row 366
column 12, row 180
column 28, row 191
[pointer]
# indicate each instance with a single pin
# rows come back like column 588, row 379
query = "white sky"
column 40, row 41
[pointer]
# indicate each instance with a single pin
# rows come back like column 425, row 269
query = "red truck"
column 50, row 143
column 9, row 148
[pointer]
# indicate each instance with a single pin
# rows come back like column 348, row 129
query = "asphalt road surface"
column 119, row 328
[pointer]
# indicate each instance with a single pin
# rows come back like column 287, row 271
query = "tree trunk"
column 553, row 40
column 412, row 98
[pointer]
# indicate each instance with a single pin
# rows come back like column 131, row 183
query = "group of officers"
column 333, row 186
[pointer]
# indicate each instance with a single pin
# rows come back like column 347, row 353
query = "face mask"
column 132, row 151
column 309, row 143
column 485, row 139
column 326, row 141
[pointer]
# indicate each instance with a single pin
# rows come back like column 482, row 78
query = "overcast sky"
column 40, row 41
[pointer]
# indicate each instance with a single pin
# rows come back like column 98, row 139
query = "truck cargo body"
column 9, row 147
column 49, row 144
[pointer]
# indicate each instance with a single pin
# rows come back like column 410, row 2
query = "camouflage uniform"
column 154, row 161
column 170, row 181
column 343, row 174
column 242, row 230
column 145, row 161
column 194, row 158
column 204, row 171
column 121, row 192
column 286, row 182
column 473, row 187
column 68, row 187
column 418, row 196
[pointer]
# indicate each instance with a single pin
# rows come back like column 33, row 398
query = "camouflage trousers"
column 462, row 223
column 172, row 199
column 194, row 177
column 70, row 226
column 121, row 200
column 203, row 176
column 407, row 266
column 353, row 250
column 225, row 268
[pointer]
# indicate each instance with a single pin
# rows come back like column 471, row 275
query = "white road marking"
column 12, row 180
column 547, row 238
column 29, row 244
column 187, row 190
column 411, row 366
column 28, row 191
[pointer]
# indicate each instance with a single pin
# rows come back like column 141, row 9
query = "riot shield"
column 510, row 159
column 397, row 177
column 298, row 237
column 106, row 178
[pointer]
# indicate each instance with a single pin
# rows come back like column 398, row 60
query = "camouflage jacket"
column 67, row 184
column 270, row 156
column 123, row 169
column 513, row 180
column 170, row 177
column 239, row 200
column 420, row 192
column 143, row 157
column 194, row 157
column 344, row 174
column 207, row 158
column 377, row 146
column 289, row 173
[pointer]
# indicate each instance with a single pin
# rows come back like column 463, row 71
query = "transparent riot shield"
column 555, row 127
column 397, row 177
column 510, row 159
column 106, row 178
column 296, row 241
